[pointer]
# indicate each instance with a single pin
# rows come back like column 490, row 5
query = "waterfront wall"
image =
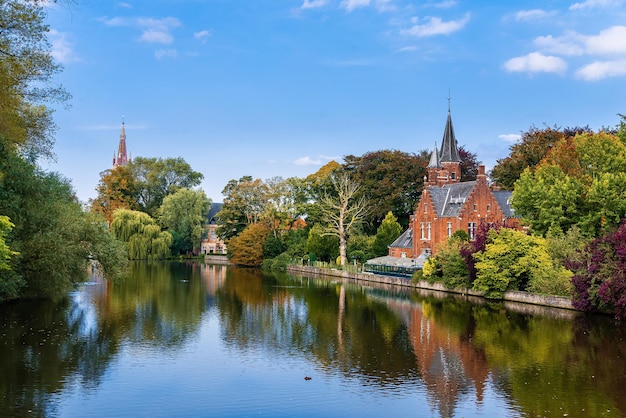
column 510, row 296
column 216, row 259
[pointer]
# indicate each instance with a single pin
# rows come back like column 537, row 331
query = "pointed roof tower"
column 449, row 151
column 121, row 158
column 434, row 158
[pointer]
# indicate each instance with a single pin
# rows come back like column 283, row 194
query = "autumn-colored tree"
column 246, row 249
column 469, row 164
column 528, row 152
column 117, row 189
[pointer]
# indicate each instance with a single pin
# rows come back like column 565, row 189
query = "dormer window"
column 453, row 175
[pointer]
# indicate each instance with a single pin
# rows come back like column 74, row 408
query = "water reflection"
column 451, row 356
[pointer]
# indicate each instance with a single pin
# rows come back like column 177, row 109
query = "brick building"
column 448, row 204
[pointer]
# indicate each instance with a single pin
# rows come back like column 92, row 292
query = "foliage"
column 580, row 181
column 156, row 178
column 285, row 201
column 244, row 204
column 392, row 180
column 469, row 164
column 144, row 238
column 528, row 152
column 5, row 251
column 448, row 266
column 388, row 231
column 360, row 247
column 278, row 263
column 342, row 211
column 246, row 249
column 600, row 274
column 185, row 212
column 273, row 246
column 324, row 247
column 117, row 189
column 513, row 260
column 27, row 68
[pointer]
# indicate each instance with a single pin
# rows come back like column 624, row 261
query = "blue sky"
column 280, row 87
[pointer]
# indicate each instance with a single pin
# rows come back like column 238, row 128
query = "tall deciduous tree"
column 156, row 178
column 244, row 204
column 5, row 251
column 343, row 210
column 117, row 189
column 185, row 213
column 247, row 248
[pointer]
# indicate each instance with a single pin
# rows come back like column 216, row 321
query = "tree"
column 247, row 248
column 387, row 233
column 513, row 260
column 185, row 212
column 27, row 69
column 320, row 246
column 343, row 211
column 144, row 238
column 392, row 180
column 156, row 178
column 469, row 164
column 117, row 189
column 244, row 204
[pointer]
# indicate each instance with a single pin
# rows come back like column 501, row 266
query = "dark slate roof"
column 404, row 241
column 449, row 151
column 215, row 207
column 450, row 198
column 503, row 197
column 434, row 158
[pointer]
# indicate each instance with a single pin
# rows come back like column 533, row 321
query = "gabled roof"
column 503, row 198
column 215, row 207
column 404, row 241
column 449, row 151
column 450, row 198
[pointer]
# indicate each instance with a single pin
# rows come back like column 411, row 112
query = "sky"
column 281, row 87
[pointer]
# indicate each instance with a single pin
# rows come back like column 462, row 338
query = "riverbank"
column 510, row 296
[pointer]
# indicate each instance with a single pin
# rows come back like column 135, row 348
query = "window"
column 449, row 229
column 471, row 230
column 213, row 235
column 488, row 207
column 475, row 207
column 425, row 230
column 428, row 230
column 425, row 208
column 453, row 175
column 422, row 230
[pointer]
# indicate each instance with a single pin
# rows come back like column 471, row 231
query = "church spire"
column 449, row 151
column 121, row 158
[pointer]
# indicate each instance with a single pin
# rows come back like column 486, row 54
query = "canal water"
column 200, row 340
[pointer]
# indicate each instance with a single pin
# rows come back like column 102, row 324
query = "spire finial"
column 449, row 98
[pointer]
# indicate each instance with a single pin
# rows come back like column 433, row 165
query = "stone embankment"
column 216, row 259
column 511, row 296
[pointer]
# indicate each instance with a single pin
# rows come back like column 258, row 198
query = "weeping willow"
column 143, row 236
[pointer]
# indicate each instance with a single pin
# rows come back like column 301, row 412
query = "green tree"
column 342, row 211
column 387, row 233
column 360, row 247
column 320, row 246
column 144, row 238
column 513, row 260
column 246, row 249
column 117, row 189
column 156, row 178
column 244, row 204
column 5, row 251
column 185, row 212
column 27, row 69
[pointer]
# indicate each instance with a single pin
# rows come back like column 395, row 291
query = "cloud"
column 125, row 5
column 203, row 35
column 166, row 53
column 313, row 4
column 409, row 48
column 593, row 4
column 510, row 137
column 570, row 44
column 533, row 14
column 350, row 5
column 153, row 30
column 433, row 26
column 446, row 4
column 62, row 49
column 611, row 41
column 602, row 69
column 306, row 160
column 536, row 63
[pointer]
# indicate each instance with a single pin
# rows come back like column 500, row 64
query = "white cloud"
column 409, row 48
column 510, row 137
column 610, row 41
column 306, row 160
column 446, row 4
column 592, row 4
column 125, row 5
column 602, row 69
column 313, row 4
column 570, row 44
column 533, row 14
column 433, row 26
column 536, row 63
column 153, row 30
column 350, row 5
column 202, row 35
column 62, row 49
column 166, row 53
